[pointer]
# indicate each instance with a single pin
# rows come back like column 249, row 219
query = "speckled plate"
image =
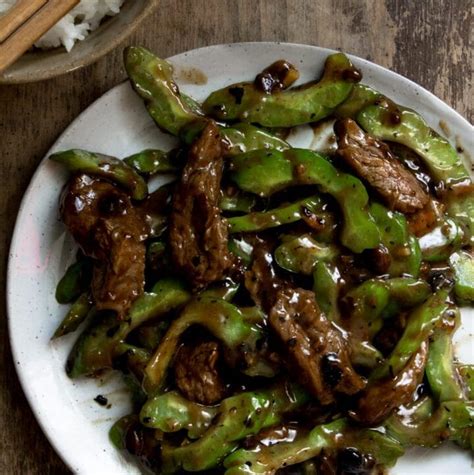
column 117, row 124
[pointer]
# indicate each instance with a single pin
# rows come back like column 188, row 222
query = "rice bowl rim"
column 46, row 64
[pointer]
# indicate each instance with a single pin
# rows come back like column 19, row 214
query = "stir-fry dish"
column 275, row 309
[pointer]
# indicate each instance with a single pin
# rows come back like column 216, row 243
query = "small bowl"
column 45, row 64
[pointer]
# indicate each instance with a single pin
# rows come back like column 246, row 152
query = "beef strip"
column 106, row 225
column 197, row 232
column 261, row 280
column 381, row 398
column 315, row 346
column 197, row 374
column 373, row 161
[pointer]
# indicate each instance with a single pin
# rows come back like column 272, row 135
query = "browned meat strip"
column 373, row 161
column 197, row 375
column 105, row 224
column 315, row 346
column 198, row 233
column 381, row 398
column 261, row 280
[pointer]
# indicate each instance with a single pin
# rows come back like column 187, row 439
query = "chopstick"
column 25, row 23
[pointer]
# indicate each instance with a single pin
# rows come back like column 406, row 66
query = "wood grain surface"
column 429, row 41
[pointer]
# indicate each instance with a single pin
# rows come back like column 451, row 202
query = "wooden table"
column 426, row 41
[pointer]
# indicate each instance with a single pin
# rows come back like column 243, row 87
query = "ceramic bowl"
column 45, row 64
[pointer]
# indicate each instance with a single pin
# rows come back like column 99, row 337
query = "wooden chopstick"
column 21, row 11
column 25, row 23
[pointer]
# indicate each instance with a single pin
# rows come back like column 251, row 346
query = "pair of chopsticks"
column 25, row 23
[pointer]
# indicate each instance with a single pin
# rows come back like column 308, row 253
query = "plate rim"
column 28, row 391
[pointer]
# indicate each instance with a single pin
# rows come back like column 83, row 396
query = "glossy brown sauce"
column 392, row 113
column 276, row 77
column 352, row 74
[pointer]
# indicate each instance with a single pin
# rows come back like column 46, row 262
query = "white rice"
column 76, row 25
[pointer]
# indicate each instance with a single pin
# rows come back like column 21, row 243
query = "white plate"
column 117, row 124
